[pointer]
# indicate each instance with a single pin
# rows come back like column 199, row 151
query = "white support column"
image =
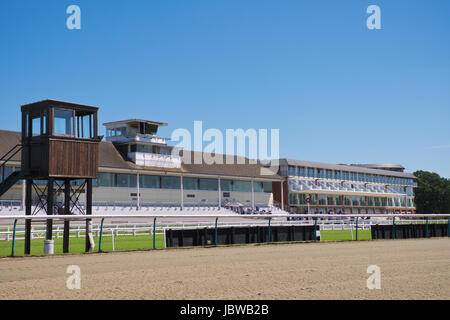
column 220, row 192
column 181, row 192
column 282, row 196
column 138, row 205
column 253, row 196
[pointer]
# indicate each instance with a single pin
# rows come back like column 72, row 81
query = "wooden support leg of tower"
column 66, row 235
column 88, row 212
column 49, row 208
column 28, row 194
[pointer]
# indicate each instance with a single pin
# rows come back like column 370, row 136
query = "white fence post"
column 112, row 239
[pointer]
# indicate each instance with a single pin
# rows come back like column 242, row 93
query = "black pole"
column 66, row 212
column 28, row 186
column 88, row 211
column 49, row 208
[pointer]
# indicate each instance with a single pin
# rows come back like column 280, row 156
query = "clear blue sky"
column 338, row 92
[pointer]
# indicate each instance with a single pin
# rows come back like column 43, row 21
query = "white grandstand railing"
column 126, row 208
column 260, row 216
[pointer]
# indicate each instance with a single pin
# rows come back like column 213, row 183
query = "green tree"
column 432, row 194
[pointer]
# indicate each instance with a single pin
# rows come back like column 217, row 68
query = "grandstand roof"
column 109, row 157
column 344, row 167
column 159, row 124
column 224, row 165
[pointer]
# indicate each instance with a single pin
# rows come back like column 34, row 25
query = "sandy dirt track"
column 410, row 269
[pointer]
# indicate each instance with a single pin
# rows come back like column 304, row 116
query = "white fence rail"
column 323, row 221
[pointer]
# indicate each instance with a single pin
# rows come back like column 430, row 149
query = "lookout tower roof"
column 134, row 121
column 43, row 104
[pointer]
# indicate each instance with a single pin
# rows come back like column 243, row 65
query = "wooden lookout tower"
column 59, row 156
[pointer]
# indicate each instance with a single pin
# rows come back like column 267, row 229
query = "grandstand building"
column 138, row 168
column 366, row 189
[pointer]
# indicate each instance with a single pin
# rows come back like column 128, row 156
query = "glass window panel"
column 242, row 186
column 126, row 180
column 105, row 179
column 36, row 126
column 121, row 131
column 330, row 200
column 85, row 124
column 170, row 182
column 147, row 181
column 301, row 171
column 63, row 122
column 190, row 183
column 258, row 187
column 208, row 184
column 292, row 171
column 362, row 201
column 293, row 199
column 302, row 198
column 26, row 125
column 225, row 185
column 44, row 122
column 267, row 187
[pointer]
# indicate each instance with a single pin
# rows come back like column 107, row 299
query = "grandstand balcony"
column 138, row 137
column 307, row 186
column 155, row 160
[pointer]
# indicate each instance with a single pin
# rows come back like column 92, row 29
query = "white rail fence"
column 127, row 229
column 323, row 221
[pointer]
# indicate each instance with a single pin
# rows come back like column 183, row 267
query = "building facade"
column 138, row 168
column 323, row 188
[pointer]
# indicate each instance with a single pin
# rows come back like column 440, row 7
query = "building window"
column 170, row 182
column 258, row 187
column 242, row 186
column 267, row 187
column 322, row 200
column 293, row 200
column 126, row 180
column 362, row 201
column 302, row 198
column 301, row 171
column 147, row 181
column 190, row 183
column 208, row 184
column 105, row 179
column 36, row 126
column 330, row 200
column 63, row 122
column 292, row 171
column 226, row 185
